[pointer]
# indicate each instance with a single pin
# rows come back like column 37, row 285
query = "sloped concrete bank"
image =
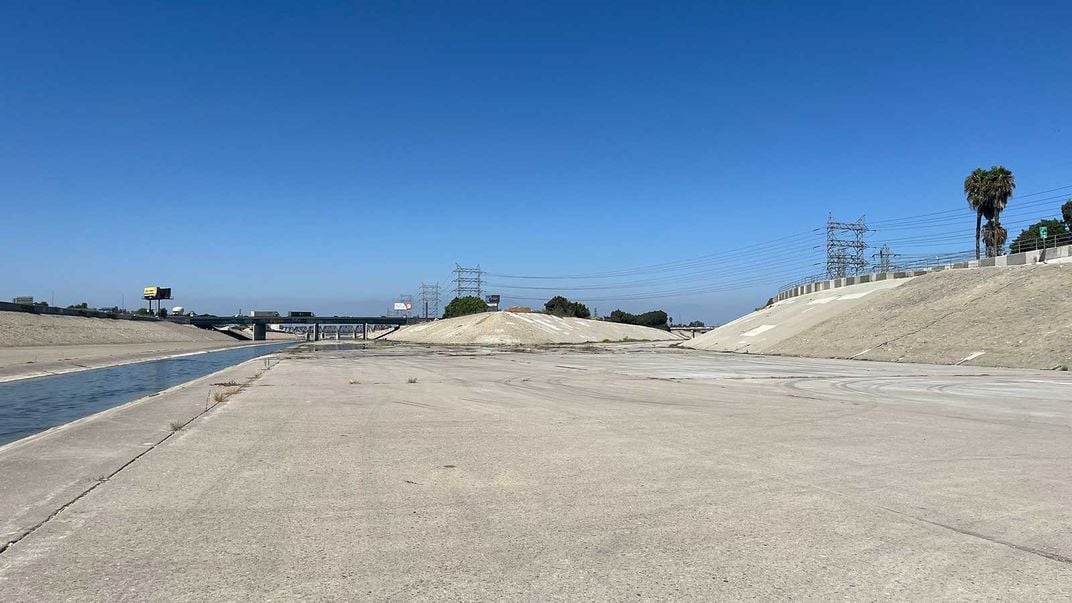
column 1002, row 316
column 508, row 328
column 34, row 345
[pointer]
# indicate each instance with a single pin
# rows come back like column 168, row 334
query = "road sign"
column 1044, row 231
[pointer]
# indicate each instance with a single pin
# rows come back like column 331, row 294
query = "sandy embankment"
column 33, row 345
column 508, row 328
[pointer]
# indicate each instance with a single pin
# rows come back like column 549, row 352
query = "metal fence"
column 927, row 262
column 1038, row 243
column 902, row 264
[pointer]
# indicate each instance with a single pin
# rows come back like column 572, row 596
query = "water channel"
column 29, row 406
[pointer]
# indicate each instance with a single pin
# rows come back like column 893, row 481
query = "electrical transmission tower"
column 845, row 248
column 885, row 259
column 404, row 305
column 468, row 281
column 430, row 300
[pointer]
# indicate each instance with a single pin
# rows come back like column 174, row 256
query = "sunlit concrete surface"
column 590, row 472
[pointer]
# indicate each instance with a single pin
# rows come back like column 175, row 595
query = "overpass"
column 260, row 323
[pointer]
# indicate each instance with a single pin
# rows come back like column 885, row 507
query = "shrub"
column 462, row 306
column 560, row 306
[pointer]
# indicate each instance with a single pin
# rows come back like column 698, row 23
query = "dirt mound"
column 508, row 328
column 1010, row 316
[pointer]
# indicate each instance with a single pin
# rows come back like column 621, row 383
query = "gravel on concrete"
column 1006, row 316
column 510, row 328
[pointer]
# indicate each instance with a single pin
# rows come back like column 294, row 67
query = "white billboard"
column 403, row 306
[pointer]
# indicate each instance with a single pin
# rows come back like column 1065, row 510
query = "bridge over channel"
column 259, row 324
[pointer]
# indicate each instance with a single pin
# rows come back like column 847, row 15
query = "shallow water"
column 29, row 406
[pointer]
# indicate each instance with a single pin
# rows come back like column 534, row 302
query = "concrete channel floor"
column 593, row 472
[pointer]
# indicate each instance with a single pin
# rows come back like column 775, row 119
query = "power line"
column 429, row 299
column 845, row 247
column 468, row 281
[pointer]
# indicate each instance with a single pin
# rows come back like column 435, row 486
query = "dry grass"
column 411, row 380
column 176, row 425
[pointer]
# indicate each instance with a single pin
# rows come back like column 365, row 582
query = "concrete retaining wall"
column 1015, row 259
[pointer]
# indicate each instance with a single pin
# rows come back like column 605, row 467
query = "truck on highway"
column 263, row 314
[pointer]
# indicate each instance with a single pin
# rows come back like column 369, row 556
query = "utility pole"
column 885, row 259
column 468, row 281
column 845, row 248
column 430, row 300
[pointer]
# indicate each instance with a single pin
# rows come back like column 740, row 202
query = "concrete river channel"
column 29, row 406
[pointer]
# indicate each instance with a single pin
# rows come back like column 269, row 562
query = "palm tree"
column 994, row 235
column 1000, row 186
column 975, row 191
column 988, row 192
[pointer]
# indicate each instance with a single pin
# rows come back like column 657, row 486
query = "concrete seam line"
column 1012, row 545
column 4, row 547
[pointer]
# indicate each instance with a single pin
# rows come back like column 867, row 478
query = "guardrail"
column 1048, row 243
column 924, row 265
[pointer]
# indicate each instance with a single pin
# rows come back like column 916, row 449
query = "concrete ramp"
column 763, row 330
column 1003, row 316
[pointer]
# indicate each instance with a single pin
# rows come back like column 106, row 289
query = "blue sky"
column 330, row 156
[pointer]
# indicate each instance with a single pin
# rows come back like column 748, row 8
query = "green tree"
column 1066, row 213
column 697, row 323
column 656, row 319
column 988, row 193
column 994, row 237
column 560, row 306
column 975, row 192
column 461, row 306
column 81, row 306
column 1030, row 238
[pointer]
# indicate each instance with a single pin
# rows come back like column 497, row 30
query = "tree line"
column 988, row 193
column 565, row 308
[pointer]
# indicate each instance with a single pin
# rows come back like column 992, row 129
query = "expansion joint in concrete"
column 5, row 546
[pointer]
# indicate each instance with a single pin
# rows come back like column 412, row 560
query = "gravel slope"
column 508, row 328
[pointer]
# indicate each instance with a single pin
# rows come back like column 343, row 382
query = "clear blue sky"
column 329, row 156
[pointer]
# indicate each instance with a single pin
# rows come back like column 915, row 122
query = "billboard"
column 403, row 306
column 156, row 293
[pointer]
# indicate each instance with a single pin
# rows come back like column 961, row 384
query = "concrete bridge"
column 259, row 324
column 691, row 332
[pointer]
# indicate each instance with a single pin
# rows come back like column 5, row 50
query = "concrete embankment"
column 1009, row 316
column 45, row 472
column 34, row 345
column 509, row 328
